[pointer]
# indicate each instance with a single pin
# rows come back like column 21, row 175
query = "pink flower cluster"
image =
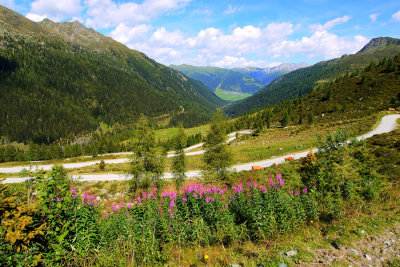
column 90, row 200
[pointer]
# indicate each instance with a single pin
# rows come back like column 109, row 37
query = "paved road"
column 387, row 124
column 17, row 169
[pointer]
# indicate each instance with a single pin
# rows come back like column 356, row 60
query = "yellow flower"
column 206, row 257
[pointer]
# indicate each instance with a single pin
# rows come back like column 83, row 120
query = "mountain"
column 347, row 98
column 223, row 82
column 58, row 80
column 239, row 82
column 267, row 75
column 302, row 81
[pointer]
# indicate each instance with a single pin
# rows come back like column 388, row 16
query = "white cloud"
column 35, row 17
column 212, row 46
column 232, row 62
column 54, row 10
column 107, row 13
column 9, row 4
column 330, row 24
column 231, row 10
column 321, row 44
column 125, row 34
column 396, row 15
column 162, row 37
column 373, row 17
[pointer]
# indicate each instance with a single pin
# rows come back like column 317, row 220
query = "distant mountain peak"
column 379, row 42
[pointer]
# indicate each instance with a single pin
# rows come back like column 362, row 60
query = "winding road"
column 387, row 124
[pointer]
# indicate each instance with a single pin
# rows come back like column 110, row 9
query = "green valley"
column 110, row 158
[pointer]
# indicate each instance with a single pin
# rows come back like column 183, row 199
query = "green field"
column 231, row 96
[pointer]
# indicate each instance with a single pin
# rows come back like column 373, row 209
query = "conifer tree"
column 146, row 165
column 179, row 161
column 217, row 157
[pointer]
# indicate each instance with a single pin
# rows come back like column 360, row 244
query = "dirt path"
column 370, row 250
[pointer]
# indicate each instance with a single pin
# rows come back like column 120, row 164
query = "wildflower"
column 206, row 257
column 171, row 215
column 172, row 204
column 249, row 184
column 271, row 182
column 114, row 208
column 213, row 199
column 298, row 191
column 73, row 191
column 129, row 205
column 305, row 190
column 291, row 192
column 58, row 199
column 207, row 199
column 106, row 215
column 184, row 199
column 194, row 195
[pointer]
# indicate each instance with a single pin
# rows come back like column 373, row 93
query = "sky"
column 228, row 33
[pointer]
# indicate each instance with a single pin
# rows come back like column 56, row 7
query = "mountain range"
column 303, row 81
column 238, row 81
column 58, row 80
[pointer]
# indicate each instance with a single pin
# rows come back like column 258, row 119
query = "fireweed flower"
column 298, row 191
column 129, row 205
column 58, row 199
column 305, row 190
column 73, row 191
column 291, row 192
column 184, row 199
column 171, row 215
column 271, row 182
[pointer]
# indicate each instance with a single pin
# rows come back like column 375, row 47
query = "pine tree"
column 311, row 117
column 179, row 161
column 146, row 165
column 217, row 157
column 285, row 120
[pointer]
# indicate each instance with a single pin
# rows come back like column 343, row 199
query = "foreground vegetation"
column 52, row 219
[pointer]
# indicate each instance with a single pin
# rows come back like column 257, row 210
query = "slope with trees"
column 301, row 82
column 62, row 79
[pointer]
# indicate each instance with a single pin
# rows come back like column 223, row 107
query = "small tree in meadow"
column 146, row 165
column 217, row 157
column 179, row 161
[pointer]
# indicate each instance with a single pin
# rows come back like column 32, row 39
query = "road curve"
column 46, row 167
column 387, row 124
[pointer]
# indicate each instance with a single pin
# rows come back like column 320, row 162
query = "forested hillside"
column 267, row 75
column 351, row 95
column 219, row 78
column 62, row 79
column 300, row 82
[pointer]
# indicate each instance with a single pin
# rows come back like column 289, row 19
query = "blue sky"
column 229, row 33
